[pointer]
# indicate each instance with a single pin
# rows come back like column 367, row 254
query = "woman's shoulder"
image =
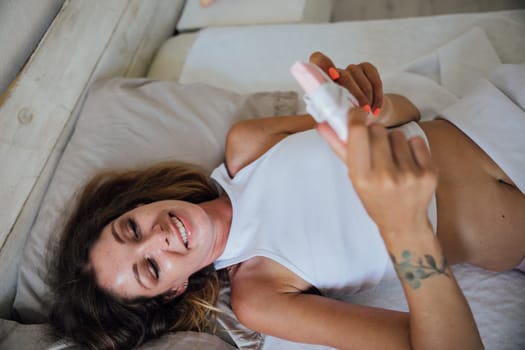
column 261, row 271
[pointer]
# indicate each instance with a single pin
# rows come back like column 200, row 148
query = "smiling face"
column 156, row 247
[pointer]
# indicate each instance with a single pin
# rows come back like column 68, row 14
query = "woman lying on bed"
column 290, row 221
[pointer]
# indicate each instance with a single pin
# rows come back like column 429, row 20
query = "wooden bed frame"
column 87, row 41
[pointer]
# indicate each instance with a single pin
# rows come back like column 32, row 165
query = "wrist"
column 397, row 110
column 418, row 233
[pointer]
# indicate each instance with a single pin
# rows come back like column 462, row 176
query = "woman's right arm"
column 269, row 299
column 395, row 179
column 265, row 300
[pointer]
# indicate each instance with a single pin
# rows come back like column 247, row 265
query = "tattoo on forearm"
column 413, row 269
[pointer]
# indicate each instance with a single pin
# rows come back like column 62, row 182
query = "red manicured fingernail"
column 333, row 73
column 366, row 108
column 377, row 111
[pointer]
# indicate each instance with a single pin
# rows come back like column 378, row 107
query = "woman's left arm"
column 364, row 82
column 248, row 139
column 397, row 110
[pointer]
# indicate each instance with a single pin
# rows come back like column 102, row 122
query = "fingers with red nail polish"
column 333, row 73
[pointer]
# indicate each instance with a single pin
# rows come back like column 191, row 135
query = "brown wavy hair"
column 89, row 315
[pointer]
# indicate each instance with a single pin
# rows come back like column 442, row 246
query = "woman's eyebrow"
column 137, row 277
column 115, row 234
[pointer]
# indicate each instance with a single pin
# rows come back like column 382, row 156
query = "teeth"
column 182, row 229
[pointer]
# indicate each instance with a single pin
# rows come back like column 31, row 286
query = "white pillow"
column 14, row 335
column 126, row 123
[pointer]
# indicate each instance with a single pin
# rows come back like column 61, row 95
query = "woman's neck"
column 220, row 213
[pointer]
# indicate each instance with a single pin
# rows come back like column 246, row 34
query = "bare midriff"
column 480, row 210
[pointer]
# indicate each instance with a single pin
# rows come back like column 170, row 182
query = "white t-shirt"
column 296, row 206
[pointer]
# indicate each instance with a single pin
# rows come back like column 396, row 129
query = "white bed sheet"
column 257, row 59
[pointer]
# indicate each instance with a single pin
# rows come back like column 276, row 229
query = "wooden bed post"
column 88, row 40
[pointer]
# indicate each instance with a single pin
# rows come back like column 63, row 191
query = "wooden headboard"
column 87, row 41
